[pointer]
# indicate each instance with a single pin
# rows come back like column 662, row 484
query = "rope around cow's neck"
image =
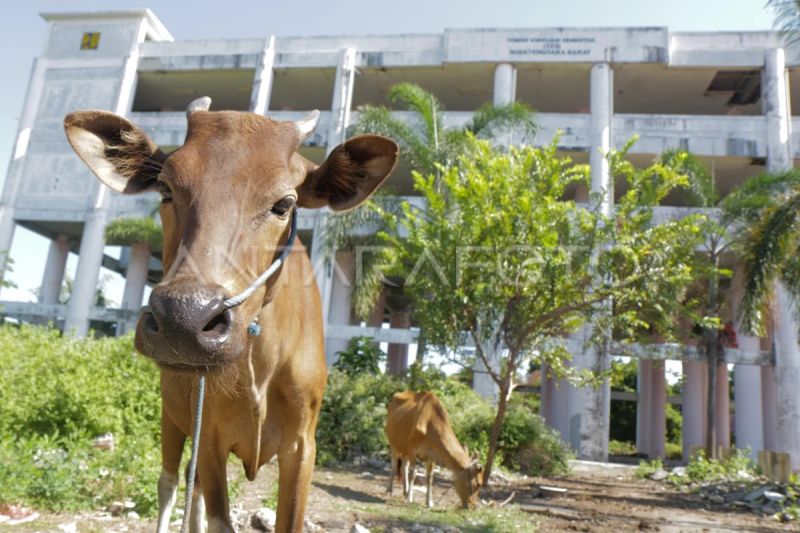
column 198, row 416
column 254, row 329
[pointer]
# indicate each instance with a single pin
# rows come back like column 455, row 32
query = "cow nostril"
column 219, row 325
column 150, row 323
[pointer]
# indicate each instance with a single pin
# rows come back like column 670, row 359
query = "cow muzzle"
column 187, row 327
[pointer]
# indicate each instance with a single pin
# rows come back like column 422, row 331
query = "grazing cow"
column 228, row 200
column 418, row 426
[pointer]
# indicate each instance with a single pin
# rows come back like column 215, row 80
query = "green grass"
column 56, row 396
column 510, row 519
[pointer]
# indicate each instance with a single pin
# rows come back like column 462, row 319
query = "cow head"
column 468, row 482
column 228, row 195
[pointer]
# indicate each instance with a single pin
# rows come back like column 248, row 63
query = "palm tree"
column 766, row 209
column 787, row 18
column 426, row 146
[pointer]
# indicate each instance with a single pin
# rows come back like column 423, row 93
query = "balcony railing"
column 720, row 136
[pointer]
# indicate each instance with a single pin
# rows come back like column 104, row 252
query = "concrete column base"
column 53, row 277
column 85, row 286
column 658, row 410
column 748, row 415
column 644, row 400
column 722, row 411
column 340, row 302
column 769, row 406
column 397, row 356
column 695, row 386
column 135, row 282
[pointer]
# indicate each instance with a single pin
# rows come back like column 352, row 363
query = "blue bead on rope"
column 254, row 329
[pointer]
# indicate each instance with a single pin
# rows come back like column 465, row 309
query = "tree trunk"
column 494, row 439
column 711, row 338
column 421, row 347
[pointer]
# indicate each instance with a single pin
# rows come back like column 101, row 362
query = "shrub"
column 354, row 416
column 361, row 355
column 56, row 395
column 527, row 444
column 621, row 447
column 128, row 231
column 703, row 470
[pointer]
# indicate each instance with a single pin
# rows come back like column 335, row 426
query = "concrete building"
column 723, row 96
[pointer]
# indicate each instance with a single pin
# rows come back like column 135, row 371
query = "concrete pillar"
column 90, row 258
column 505, row 84
column 651, row 418
column 262, row 81
column 573, row 403
column 397, row 360
column 375, row 319
column 775, row 98
column 93, row 237
column 135, row 282
column 14, row 174
column 748, row 418
column 644, row 399
column 722, row 411
column 53, row 277
column 340, row 119
column 595, row 412
column 560, row 409
column 602, row 109
column 787, row 376
column 769, row 404
column 695, row 385
column 341, row 301
column 658, row 410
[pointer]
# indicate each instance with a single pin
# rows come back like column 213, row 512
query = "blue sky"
column 24, row 32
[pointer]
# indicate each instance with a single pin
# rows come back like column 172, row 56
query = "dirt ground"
column 598, row 498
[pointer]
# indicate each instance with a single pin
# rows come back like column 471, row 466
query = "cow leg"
column 429, row 483
column 393, row 470
column 172, row 440
column 410, row 473
column 197, row 515
column 404, row 474
column 211, row 462
column 295, row 466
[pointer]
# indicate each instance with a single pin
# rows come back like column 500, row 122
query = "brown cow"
column 228, row 196
column 418, row 426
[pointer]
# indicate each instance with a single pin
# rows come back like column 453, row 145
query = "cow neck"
column 258, row 413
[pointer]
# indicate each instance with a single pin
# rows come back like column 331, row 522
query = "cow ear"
column 350, row 174
column 119, row 153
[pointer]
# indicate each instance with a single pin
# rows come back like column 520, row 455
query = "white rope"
column 260, row 280
column 201, row 382
column 198, row 418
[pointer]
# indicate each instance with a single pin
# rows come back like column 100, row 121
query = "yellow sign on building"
column 90, row 41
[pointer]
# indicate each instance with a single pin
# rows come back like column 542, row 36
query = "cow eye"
column 282, row 206
column 166, row 192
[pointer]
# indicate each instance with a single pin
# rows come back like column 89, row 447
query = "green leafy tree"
column 717, row 238
column 500, row 258
column 426, row 146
